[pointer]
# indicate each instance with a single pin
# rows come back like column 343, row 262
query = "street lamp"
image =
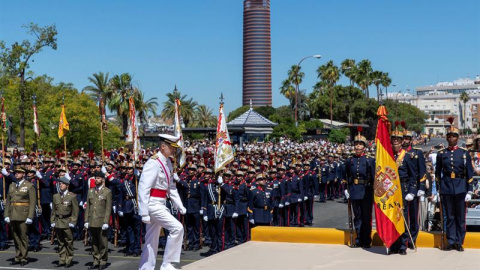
column 318, row 56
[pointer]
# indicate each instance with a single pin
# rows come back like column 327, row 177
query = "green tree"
column 187, row 107
column 338, row 135
column 121, row 87
column 15, row 62
column 348, row 69
column 99, row 88
column 289, row 85
column 464, row 97
column 376, row 77
column 329, row 74
column 204, row 117
column 386, row 81
column 144, row 107
column 362, row 77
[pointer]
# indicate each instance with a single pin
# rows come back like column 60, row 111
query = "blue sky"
column 197, row 44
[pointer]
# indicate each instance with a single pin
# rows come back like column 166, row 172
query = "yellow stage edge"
column 342, row 237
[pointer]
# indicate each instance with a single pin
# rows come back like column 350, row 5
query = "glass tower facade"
column 257, row 62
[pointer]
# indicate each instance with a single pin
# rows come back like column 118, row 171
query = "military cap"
column 396, row 134
column 227, row 173
column 192, row 167
column 19, row 168
column 281, row 167
column 259, row 176
column 257, row 169
column 111, row 162
column 208, row 170
column 273, row 170
column 292, row 165
column 452, row 130
column 360, row 138
column 62, row 168
column 238, row 173
column 129, row 165
column 99, row 174
column 201, row 165
column 251, row 170
column 407, row 133
column 306, row 163
column 64, row 180
column 7, row 161
column 469, row 141
column 25, row 161
column 299, row 164
column 169, row 139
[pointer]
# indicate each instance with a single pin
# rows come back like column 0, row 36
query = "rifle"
column 442, row 227
column 350, row 222
column 52, row 237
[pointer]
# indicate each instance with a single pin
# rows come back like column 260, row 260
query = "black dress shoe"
column 93, row 267
column 459, row 247
column 23, row 263
column 402, row 252
column 36, row 249
column 448, row 247
column 14, row 262
column 367, row 246
column 59, row 265
column 128, row 254
column 102, row 267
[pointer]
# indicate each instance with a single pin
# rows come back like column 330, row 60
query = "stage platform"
column 294, row 256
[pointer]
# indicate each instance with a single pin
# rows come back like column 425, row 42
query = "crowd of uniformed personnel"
column 80, row 197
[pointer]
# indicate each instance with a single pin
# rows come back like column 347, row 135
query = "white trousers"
column 160, row 217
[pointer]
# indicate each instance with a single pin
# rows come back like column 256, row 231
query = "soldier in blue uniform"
column 296, row 194
column 311, row 189
column 77, row 186
column 229, row 202
column 360, row 174
column 454, row 171
column 277, row 195
column 324, row 172
column 241, row 222
column 46, row 196
column 408, row 185
column 192, row 219
column 7, row 176
column 127, row 209
column 260, row 204
column 214, row 211
column 420, row 169
column 332, row 177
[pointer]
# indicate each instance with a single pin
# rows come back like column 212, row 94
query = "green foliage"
column 338, row 135
column 81, row 111
column 414, row 118
column 265, row 111
column 237, row 112
column 313, row 124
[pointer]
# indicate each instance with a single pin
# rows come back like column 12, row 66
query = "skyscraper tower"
column 257, row 60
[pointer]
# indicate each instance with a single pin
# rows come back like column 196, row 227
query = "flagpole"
column 101, row 129
column 3, row 147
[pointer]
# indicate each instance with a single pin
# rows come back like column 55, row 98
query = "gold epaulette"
column 154, row 156
column 463, row 148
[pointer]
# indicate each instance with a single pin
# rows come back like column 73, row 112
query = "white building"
column 442, row 100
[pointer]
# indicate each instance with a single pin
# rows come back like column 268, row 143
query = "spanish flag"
column 387, row 190
column 63, row 124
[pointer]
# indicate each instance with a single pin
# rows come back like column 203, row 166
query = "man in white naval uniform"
column 156, row 183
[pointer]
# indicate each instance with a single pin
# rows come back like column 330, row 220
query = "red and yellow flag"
column 63, row 124
column 387, row 189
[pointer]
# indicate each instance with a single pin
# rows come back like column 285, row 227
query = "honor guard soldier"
column 35, row 229
column 332, row 177
column 310, row 181
column 229, row 203
column 324, row 172
column 46, row 193
column 408, row 184
column 455, row 173
column 260, row 204
column 277, row 195
column 5, row 182
column 241, row 221
column 97, row 216
column 156, row 182
column 296, row 193
column 63, row 218
column 420, row 168
column 214, row 211
column 77, row 186
column 19, row 213
column 127, row 210
column 360, row 173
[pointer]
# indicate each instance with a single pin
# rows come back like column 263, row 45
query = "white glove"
column 175, row 177
column 287, row 203
column 104, row 170
column 235, row 215
column 104, row 227
column 252, row 221
column 280, row 206
column 347, row 195
column 52, row 225
column 182, row 210
column 299, row 200
column 468, row 197
column 85, row 225
column 201, row 212
column 80, row 204
column 71, row 225
column 409, row 197
column 120, row 213
column 305, row 198
column 420, row 193
column 4, row 172
column 28, row 221
column 7, row 220
column 68, row 176
column 205, row 218
column 146, row 219
column 114, row 210
column 38, row 174
column 51, row 206
column 220, row 180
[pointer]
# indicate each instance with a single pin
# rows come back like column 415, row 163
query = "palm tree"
column 386, row 81
column 144, row 107
column 329, row 74
column 121, row 88
column 99, row 88
column 348, row 69
column 375, row 77
column 289, row 85
column 187, row 107
column 464, row 98
column 204, row 117
column 363, row 76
